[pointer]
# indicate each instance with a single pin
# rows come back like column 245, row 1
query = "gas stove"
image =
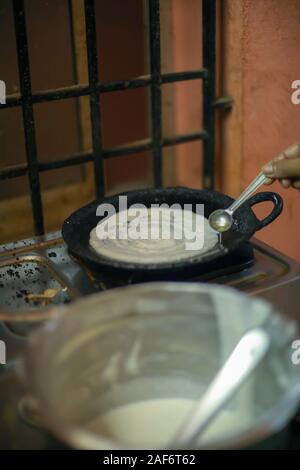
column 38, row 275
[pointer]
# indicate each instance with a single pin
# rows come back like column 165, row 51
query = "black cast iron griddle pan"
column 76, row 232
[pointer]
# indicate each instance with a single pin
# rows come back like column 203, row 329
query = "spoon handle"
column 248, row 353
column 253, row 186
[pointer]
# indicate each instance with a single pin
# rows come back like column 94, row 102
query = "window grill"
column 94, row 88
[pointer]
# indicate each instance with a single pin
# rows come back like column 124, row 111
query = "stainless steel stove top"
column 38, row 275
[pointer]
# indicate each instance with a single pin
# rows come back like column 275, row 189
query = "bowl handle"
column 276, row 211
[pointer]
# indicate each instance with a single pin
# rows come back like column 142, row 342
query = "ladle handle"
column 256, row 183
column 248, row 353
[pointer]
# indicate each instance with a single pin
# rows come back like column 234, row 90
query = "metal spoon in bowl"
column 245, row 357
column 221, row 219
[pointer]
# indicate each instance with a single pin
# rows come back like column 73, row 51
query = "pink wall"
column 271, row 62
column 259, row 58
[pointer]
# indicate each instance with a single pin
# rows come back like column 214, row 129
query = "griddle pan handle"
column 276, row 211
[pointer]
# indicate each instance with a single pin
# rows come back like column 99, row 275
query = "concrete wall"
column 271, row 62
column 259, row 57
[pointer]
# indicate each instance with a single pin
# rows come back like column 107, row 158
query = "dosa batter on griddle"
column 148, row 250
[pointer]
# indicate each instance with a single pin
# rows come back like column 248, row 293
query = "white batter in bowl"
column 156, row 422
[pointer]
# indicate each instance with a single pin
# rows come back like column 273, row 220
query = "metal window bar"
column 26, row 99
column 209, row 63
column 91, row 45
column 28, row 117
column 154, row 41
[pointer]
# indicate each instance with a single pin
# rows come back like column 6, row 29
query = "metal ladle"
column 221, row 219
column 245, row 357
